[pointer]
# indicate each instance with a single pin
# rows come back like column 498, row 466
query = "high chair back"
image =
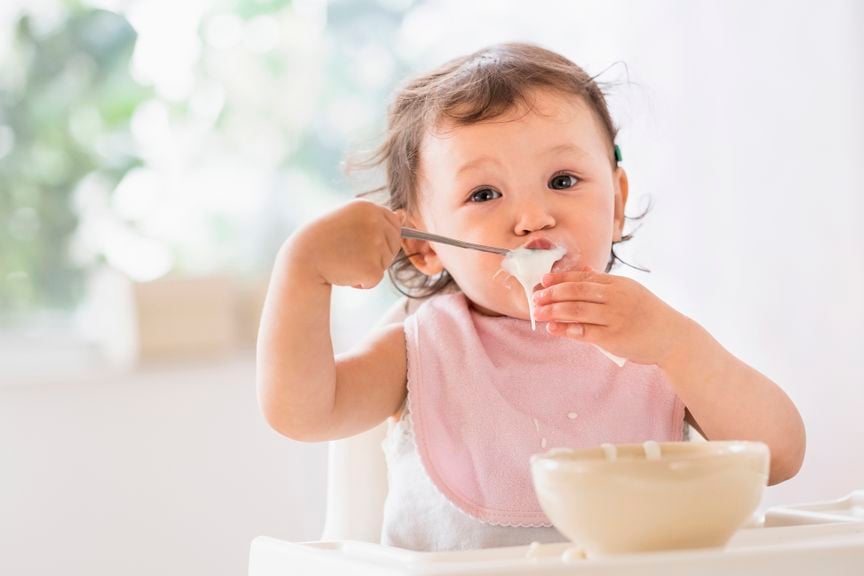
column 356, row 487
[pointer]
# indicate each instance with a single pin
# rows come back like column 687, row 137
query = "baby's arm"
column 304, row 391
column 726, row 399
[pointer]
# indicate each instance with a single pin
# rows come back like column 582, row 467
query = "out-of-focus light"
column 207, row 102
column 396, row 5
column 110, row 5
column 91, row 194
column 375, row 66
column 420, row 31
column 46, row 16
column 168, row 47
column 262, row 34
column 142, row 259
column 90, row 203
column 133, row 199
column 223, row 30
column 149, row 124
column 313, row 13
column 345, row 117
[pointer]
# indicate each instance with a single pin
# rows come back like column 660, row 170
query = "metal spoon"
column 417, row 234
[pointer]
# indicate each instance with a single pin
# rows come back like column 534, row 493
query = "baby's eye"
column 484, row 195
column 563, row 181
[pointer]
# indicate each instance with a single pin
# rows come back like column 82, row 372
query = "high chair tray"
column 817, row 538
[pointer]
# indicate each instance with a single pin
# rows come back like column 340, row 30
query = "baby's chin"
column 512, row 305
column 485, row 310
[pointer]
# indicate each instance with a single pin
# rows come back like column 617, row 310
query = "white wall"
column 170, row 470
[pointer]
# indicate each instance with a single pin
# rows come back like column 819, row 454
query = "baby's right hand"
column 351, row 246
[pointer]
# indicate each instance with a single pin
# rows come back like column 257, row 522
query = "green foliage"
column 316, row 90
column 72, row 93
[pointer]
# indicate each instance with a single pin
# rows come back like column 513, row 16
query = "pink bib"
column 485, row 393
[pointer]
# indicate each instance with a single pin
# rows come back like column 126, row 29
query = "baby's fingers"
column 578, row 312
column 570, row 291
column 585, row 332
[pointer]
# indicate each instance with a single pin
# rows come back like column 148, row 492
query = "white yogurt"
column 652, row 450
column 573, row 554
column 528, row 266
column 610, row 451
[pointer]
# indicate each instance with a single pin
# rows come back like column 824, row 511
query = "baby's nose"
column 533, row 218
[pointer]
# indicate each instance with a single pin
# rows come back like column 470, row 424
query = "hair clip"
column 618, row 156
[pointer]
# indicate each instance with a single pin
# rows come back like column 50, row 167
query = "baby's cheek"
column 580, row 261
column 593, row 257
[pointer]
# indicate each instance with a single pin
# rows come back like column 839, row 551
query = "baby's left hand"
column 616, row 313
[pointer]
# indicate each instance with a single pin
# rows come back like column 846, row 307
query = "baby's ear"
column 420, row 252
column 621, row 190
column 422, row 256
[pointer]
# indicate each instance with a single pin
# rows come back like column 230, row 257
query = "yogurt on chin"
column 528, row 265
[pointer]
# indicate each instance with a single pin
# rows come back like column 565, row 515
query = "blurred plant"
column 186, row 137
column 65, row 105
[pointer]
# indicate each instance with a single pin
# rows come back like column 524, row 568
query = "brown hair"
column 473, row 88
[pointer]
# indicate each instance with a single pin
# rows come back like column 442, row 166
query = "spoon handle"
column 417, row 234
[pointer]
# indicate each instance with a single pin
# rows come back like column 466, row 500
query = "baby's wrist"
column 298, row 259
column 682, row 341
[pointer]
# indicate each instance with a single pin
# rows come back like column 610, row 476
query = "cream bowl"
column 630, row 498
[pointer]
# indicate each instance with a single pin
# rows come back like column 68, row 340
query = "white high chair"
column 816, row 538
column 356, row 487
column 357, row 471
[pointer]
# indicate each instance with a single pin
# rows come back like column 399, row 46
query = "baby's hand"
column 616, row 313
column 351, row 246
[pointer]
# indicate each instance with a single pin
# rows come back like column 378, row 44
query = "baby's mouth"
column 563, row 263
column 570, row 260
column 539, row 244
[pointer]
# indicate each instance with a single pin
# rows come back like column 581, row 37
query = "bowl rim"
column 693, row 451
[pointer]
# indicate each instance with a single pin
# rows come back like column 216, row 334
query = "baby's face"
column 544, row 174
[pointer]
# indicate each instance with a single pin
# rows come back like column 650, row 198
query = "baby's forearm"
column 731, row 400
column 295, row 366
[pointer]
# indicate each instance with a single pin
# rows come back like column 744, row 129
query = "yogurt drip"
column 652, row 450
column 528, row 266
column 610, row 451
column 573, row 554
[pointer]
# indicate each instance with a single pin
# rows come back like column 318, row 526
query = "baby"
column 511, row 146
